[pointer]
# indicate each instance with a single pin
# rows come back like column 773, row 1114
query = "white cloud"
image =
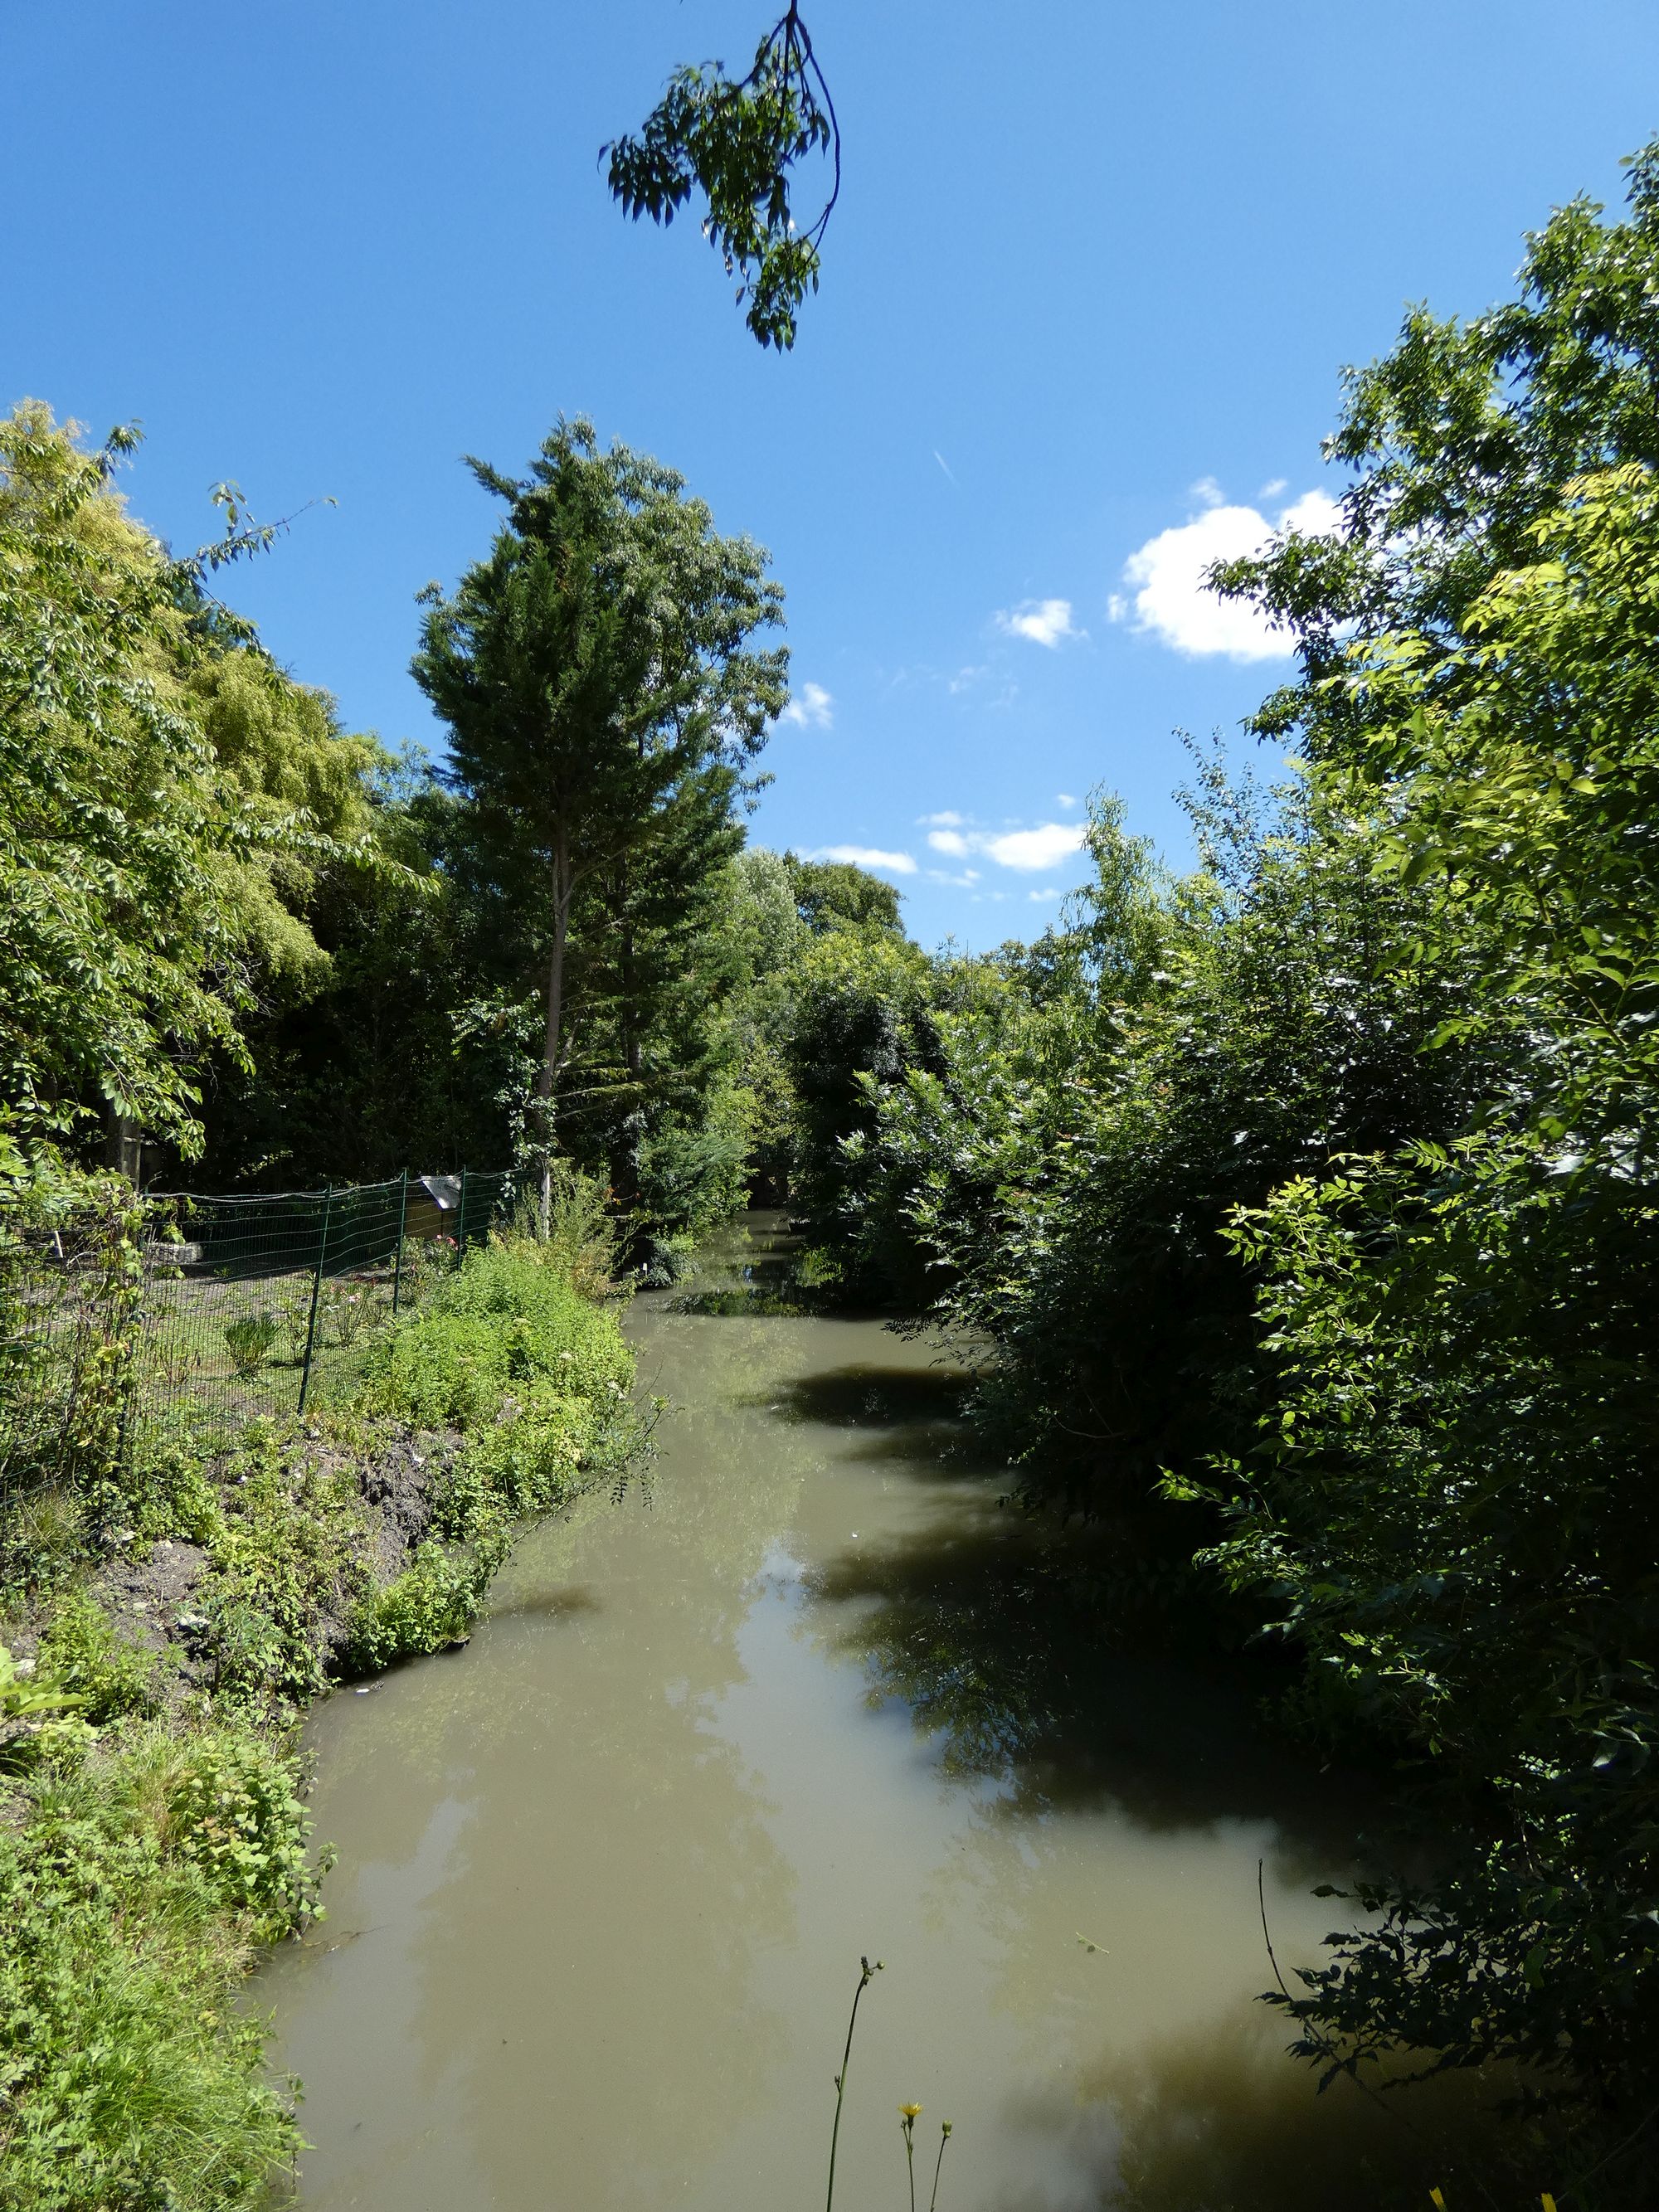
column 1064, row 799
column 1025, row 850
column 1273, row 490
column 812, row 708
column 964, row 882
column 1044, row 622
column 868, row 856
column 948, row 818
column 1207, row 492
column 1042, row 847
column 1049, row 894
column 1172, row 601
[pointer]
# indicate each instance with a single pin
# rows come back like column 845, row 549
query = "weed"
column 290, row 1547
column 131, row 2077
column 510, row 1314
column 43, row 1540
column 80, row 1650
column 27, row 1691
column 251, row 1339
column 429, row 1606
column 349, row 1306
column 230, row 1809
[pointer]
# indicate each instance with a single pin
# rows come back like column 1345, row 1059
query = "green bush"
column 293, row 1540
column 430, row 1606
column 232, row 1812
column 129, row 2077
column 167, row 1491
column 509, row 1315
column 510, row 1350
column 531, row 1458
column 82, row 1652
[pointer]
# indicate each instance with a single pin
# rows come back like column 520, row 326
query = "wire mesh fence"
column 210, row 1310
column 70, row 1296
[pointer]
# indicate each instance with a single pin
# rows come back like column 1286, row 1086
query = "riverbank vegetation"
column 1298, row 1210
column 1306, row 1200
column 160, row 1652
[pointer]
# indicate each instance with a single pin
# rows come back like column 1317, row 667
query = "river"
column 605, row 1876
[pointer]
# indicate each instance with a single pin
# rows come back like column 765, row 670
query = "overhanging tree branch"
column 736, row 140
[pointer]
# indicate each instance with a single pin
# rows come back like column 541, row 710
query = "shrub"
column 130, row 2076
column 509, row 1315
column 281, row 1556
column 431, row 1605
column 231, row 1811
column 83, row 1651
column 530, row 1459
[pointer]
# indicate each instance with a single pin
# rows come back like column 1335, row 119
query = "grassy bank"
column 166, row 1636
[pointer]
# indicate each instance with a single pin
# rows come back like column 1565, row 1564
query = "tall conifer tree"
column 599, row 684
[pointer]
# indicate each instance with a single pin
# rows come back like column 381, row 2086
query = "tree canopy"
column 605, row 705
column 737, row 140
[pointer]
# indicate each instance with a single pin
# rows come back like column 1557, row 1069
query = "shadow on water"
column 863, row 1395
column 1024, row 1649
column 997, row 1647
column 568, row 1602
column 1213, row 2120
column 1008, row 1642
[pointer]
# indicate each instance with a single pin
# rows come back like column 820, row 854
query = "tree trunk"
column 545, row 1080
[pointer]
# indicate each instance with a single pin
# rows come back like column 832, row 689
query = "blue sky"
column 1093, row 276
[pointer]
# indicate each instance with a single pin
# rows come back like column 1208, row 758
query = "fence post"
column 460, row 1223
column 403, row 1217
column 316, row 1292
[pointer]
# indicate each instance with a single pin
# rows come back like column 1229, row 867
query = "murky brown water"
column 605, row 1876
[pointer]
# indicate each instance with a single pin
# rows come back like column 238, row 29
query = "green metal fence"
column 251, row 1305
column 69, row 1298
column 226, row 1307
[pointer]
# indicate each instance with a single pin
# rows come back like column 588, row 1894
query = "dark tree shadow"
column 1065, row 1662
column 1005, row 1642
column 867, row 1396
column 1219, row 2120
column 568, row 1603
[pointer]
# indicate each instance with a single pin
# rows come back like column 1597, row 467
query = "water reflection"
column 605, row 1875
column 1214, row 2121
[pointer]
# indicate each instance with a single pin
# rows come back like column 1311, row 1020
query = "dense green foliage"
column 116, row 922
column 604, row 700
column 736, row 142
column 231, row 928
column 130, row 1899
column 1303, row 1209
column 151, row 1837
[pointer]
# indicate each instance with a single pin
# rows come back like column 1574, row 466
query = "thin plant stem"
column 866, row 1973
column 943, row 2138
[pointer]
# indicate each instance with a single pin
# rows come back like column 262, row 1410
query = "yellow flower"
column 910, row 2112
